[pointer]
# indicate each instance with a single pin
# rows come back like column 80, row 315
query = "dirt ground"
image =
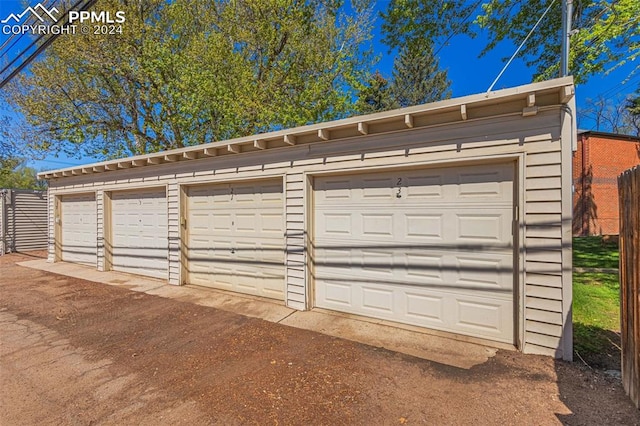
column 80, row 353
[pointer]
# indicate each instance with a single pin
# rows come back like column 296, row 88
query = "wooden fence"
column 629, row 196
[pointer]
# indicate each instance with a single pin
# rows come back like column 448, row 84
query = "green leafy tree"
column 13, row 172
column 376, row 95
column 633, row 105
column 15, row 175
column 189, row 72
column 408, row 21
column 607, row 33
column 417, row 78
column 633, row 112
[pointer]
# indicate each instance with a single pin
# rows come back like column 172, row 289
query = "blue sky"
column 468, row 73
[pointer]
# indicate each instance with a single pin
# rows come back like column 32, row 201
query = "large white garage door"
column 79, row 229
column 236, row 237
column 140, row 232
column 430, row 247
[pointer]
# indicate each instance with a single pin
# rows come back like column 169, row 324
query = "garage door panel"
column 424, row 267
column 444, row 281
column 482, row 271
column 140, row 232
column 463, row 312
column 271, row 223
column 243, row 225
column 424, row 226
column 336, row 224
column 425, row 309
column 377, row 262
column 418, row 265
column 484, row 227
column 484, row 317
column 79, row 229
column 420, row 188
column 141, row 261
column 221, row 222
column 377, row 299
column 377, row 189
column 246, row 222
column 377, row 225
column 336, row 294
column 425, row 247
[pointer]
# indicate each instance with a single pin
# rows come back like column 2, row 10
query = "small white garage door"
column 236, row 237
column 140, row 232
column 79, row 229
column 430, row 247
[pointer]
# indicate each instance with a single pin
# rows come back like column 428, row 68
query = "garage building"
column 453, row 216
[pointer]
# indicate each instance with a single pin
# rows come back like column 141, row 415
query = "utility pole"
column 567, row 13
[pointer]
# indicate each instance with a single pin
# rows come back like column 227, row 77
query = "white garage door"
column 79, row 229
column 140, row 232
column 236, row 237
column 430, row 247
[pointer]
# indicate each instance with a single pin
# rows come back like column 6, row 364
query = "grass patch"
column 596, row 318
column 596, row 300
column 589, row 252
column 596, row 304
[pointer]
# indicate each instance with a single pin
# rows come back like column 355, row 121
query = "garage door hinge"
column 183, row 221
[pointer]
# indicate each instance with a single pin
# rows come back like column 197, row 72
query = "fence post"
column 629, row 204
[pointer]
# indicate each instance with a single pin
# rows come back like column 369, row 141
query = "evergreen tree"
column 607, row 34
column 633, row 112
column 633, row 105
column 417, row 78
column 376, row 96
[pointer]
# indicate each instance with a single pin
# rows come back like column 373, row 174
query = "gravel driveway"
column 77, row 352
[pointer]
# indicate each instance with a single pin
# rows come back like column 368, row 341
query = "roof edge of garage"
column 524, row 99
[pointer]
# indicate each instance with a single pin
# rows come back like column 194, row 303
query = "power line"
column 619, row 87
column 33, row 43
column 29, row 20
column 64, row 163
column 40, row 48
column 520, row 47
column 456, row 32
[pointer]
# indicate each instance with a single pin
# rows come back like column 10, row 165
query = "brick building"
column 598, row 161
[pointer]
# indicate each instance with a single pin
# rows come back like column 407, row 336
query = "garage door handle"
column 233, row 251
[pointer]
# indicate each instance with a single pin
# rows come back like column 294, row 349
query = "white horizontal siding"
column 542, row 158
column 533, row 138
column 547, row 317
column 543, row 267
column 295, row 238
column 544, row 328
column 544, row 280
column 173, row 218
column 100, row 220
column 543, row 292
column 51, row 227
column 534, row 195
column 543, row 182
column 3, row 223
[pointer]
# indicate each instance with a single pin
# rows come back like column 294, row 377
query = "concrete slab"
column 245, row 305
column 130, row 282
column 440, row 349
column 256, row 307
column 414, row 341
